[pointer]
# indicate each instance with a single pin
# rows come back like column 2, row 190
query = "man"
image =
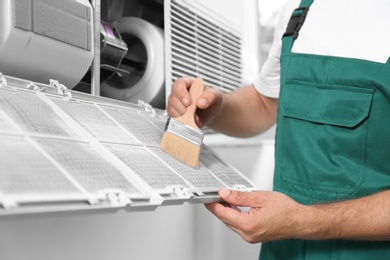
column 332, row 170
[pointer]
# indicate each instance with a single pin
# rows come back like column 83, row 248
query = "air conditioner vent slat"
column 190, row 17
column 202, row 37
column 198, row 46
column 207, row 69
column 223, row 70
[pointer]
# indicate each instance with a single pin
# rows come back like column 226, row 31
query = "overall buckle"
column 296, row 21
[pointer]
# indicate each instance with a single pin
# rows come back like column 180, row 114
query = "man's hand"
column 209, row 103
column 275, row 216
column 272, row 215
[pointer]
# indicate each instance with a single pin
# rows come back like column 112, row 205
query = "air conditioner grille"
column 199, row 47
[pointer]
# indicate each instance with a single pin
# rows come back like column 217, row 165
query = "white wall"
column 165, row 234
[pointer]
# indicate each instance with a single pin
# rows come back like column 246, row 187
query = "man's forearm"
column 245, row 113
column 366, row 218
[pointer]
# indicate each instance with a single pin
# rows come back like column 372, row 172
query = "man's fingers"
column 238, row 198
column 208, row 97
column 230, row 215
column 175, row 107
column 226, row 214
column 180, row 90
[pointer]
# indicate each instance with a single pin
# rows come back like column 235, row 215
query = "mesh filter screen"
column 33, row 115
column 226, row 174
column 95, row 121
column 88, row 167
column 5, row 124
column 159, row 121
column 144, row 130
column 147, row 166
column 44, row 158
column 25, row 170
column 199, row 178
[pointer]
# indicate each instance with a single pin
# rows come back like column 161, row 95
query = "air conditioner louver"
column 199, row 47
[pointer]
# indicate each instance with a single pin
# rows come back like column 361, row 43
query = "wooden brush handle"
column 196, row 91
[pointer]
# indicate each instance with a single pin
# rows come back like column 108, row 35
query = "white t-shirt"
column 342, row 28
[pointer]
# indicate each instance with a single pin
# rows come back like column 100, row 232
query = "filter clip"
column 3, row 80
column 61, row 89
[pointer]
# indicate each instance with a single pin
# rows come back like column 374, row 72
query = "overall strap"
column 294, row 25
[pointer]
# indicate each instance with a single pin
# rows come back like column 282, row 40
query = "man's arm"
column 275, row 216
column 245, row 112
column 366, row 218
column 241, row 113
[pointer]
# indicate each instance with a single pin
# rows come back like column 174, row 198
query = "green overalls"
column 332, row 142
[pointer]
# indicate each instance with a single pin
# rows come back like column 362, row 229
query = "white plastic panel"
column 46, row 160
column 225, row 173
column 6, row 124
column 94, row 173
column 138, row 125
column 91, row 118
column 33, row 116
column 159, row 121
column 201, row 179
column 27, row 175
column 46, row 39
column 148, row 167
column 98, row 151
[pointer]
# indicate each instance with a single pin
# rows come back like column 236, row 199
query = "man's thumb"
column 236, row 198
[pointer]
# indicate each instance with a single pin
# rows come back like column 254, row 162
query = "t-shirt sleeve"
column 268, row 80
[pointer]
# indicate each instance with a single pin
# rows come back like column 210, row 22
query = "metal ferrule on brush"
column 184, row 131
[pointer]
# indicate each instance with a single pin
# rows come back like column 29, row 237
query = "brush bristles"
column 180, row 149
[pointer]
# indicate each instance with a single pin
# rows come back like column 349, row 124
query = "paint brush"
column 182, row 138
